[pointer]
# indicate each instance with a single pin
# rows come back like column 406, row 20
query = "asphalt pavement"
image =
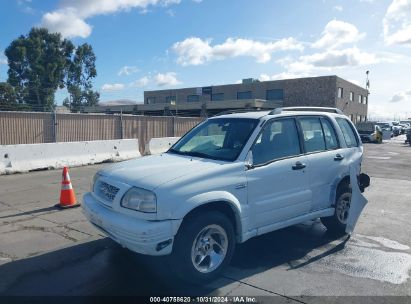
column 46, row 251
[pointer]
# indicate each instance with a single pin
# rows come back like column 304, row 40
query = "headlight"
column 93, row 181
column 140, row 200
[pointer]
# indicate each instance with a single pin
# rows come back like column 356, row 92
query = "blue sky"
column 160, row 44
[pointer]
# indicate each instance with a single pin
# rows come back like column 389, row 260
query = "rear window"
column 350, row 138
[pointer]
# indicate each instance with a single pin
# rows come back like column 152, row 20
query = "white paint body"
column 264, row 198
column 23, row 158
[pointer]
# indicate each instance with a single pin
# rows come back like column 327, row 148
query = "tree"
column 37, row 66
column 7, row 94
column 80, row 72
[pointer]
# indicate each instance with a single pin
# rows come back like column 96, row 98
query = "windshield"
column 365, row 127
column 221, row 139
column 384, row 125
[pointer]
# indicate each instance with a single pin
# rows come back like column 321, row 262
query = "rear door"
column 326, row 161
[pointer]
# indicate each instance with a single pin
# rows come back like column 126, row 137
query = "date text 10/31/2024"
column 205, row 299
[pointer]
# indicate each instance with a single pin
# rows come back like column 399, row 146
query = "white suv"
column 229, row 179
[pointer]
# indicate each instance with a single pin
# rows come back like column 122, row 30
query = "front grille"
column 106, row 191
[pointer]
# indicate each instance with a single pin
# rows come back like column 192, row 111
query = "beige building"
column 324, row 91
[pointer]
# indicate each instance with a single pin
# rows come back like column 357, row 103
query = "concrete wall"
column 160, row 145
column 23, row 158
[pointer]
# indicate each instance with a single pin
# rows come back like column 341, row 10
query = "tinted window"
column 244, row 95
column 313, row 134
column 151, row 100
column 169, row 99
column 348, row 133
column 340, row 92
column 217, row 96
column 331, row 141
column 193, row 98
column 275, row 94
column 278, row 139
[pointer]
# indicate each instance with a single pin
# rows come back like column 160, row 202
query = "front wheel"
column 338, row 222
column 203, row 246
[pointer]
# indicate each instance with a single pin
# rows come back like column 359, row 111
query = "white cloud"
column 326, row 62
column 338, row 8
column 171, row 12
column 3, row 60
column 283, row 75
column 112, row 87
column 401, row 96
column 397, row 23
column 196, row 51
column 337, row 33
column 340, row 58
column 139, row 83
column 69, row 19
column 167, row 79
column 127, row 70
column 67, row 23
column 25, row 6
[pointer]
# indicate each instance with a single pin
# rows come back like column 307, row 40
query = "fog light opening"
column 162, row 245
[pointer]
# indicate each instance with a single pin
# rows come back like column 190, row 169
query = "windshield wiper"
column 176, row 151
column 195, row 154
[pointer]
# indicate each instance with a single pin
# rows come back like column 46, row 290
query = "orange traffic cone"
column 67, row 195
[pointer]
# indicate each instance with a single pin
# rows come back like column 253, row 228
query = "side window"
column 278, row 139
column 348, row 133
column 331, row 141
column 313, row 134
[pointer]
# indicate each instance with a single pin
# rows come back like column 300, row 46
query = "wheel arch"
column 230, row 208
column 338, row 183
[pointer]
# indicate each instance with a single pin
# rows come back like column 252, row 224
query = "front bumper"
column 367, row 138
column 145, row 237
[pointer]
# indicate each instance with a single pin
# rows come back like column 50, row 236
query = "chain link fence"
column 33, row 127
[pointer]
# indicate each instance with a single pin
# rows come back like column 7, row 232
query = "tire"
column 188, row 250
column 338, row 222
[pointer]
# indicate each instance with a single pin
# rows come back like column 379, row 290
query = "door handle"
column 298, row 166
column 338, row 157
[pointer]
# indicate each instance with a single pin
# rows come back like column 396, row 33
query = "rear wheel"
column 338, row 222
column 203, row 247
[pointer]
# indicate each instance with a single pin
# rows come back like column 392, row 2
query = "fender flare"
column 203, row 199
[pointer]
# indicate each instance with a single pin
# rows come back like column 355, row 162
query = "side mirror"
column 249, row 160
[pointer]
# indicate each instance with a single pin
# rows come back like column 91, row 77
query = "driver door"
column 278, row 185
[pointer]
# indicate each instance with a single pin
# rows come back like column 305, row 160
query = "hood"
column 150, row 172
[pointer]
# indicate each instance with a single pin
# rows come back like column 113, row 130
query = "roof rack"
column 302, row 109
column 245, row 110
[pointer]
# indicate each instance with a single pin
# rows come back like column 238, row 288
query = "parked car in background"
column 231, row 178
column 396, row 128
column 408, row 140
column 405, row 127
column 369, row 132
column 386, row 127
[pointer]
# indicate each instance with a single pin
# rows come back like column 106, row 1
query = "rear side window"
column 331, row 141
column 348, row 133
column 313, row 134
